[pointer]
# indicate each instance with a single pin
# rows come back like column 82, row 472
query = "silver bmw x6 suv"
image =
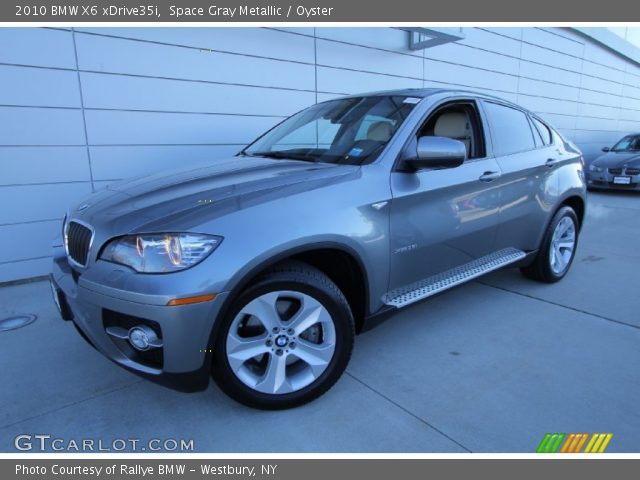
column 259, row 270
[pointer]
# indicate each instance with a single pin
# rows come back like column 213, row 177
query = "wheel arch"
column 316, row 255
column 577, row 203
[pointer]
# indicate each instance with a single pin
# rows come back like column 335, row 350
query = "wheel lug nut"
column 275, row 329
column 279, row 352
column 292, row 345
column 269, row 343
column 290, row 331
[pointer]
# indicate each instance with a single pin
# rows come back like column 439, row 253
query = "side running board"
column 409, row 294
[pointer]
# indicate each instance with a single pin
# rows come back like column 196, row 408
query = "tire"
column 314, row 354
column 544, row 268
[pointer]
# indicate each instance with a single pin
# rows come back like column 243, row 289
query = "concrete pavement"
column 488, row 367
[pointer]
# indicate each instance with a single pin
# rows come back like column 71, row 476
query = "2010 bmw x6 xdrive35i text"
column 259, row 270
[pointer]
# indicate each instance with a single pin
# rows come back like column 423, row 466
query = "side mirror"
column 606, row 149
column 438, row 153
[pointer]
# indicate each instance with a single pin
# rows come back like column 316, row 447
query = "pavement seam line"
column 67, row 405
column 601, row 317
column 405, row 410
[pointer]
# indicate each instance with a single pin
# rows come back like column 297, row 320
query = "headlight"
column 161, row 252
column 594, row 168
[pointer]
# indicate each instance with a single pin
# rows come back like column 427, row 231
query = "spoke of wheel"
column 310, row 313
column 568, row 244
column 316, row 356
column 275, row 378
column 560, row 259
column 567, row 225
column 264, row 309
column 239, row 350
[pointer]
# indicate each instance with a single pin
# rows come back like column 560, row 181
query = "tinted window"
column 351, row 130
column 543, row 130
column 511, row 130
column 630, row 143
column 537, row 136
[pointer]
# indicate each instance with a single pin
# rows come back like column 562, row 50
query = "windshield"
column 351, row 130
column 630, row 143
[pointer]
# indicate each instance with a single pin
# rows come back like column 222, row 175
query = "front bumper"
column 606, row 180
column 183, row 362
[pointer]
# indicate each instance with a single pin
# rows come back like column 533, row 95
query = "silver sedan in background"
column 619, row 167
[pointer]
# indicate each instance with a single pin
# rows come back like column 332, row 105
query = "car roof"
column 426, row 92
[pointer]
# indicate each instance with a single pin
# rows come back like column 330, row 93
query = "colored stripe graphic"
column 550, row 443
column 598, row 443
column 573, row 443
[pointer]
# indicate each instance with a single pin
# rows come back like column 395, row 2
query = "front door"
column 441, row 219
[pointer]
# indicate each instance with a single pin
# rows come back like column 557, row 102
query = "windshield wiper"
column 282, row 155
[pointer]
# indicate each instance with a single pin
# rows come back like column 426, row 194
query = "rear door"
column 527, row 153
column 441, row 219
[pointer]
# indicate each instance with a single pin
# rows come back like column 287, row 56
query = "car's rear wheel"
column 285, row 340
column 558, row 248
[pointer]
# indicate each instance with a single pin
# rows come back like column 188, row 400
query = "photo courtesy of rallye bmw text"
column 318, row 239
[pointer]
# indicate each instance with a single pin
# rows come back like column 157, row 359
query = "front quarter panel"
column 340, row 216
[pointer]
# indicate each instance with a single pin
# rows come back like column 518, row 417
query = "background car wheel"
column 557, row 250
column 285, row 340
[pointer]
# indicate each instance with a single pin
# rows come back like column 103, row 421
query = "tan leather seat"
column 380, row 131
column 454, row 125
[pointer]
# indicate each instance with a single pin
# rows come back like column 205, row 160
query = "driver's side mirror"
column 437, row 153
column 606, row 149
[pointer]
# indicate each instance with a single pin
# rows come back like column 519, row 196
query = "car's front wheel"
column 558, row 248
column 285, row 340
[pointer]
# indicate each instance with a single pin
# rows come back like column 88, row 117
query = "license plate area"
column 622, row 180
column 56, row 297
column 61, row 302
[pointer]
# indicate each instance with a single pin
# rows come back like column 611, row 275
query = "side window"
column 459, row 121
column 543, row 130
column 511, row 130
column 536, row 135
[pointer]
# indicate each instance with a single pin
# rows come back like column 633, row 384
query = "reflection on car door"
column 527, row 154
column 441, row 219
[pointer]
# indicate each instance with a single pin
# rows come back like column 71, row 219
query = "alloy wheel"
column 281, row 342
column 563, row 244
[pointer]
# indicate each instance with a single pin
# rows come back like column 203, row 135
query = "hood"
column 183, row 199
column 618, row 159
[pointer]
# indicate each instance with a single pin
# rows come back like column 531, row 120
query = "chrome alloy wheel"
column 281, row 342
column 563, row 243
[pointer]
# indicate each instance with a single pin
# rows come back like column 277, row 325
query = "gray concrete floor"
column 488, row 367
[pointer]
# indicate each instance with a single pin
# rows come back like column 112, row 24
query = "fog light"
column 142, row 338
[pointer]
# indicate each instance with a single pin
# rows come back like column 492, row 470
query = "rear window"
column 511, row 130
column 543, row 130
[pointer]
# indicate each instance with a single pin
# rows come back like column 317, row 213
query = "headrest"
column 452, row 125
column 380, row 131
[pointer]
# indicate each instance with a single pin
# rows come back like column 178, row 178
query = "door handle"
column 489, row 176
column 551, row 162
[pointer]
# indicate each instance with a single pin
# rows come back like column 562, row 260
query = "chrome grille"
column 632, row 171
column 78, row 240
column 615, row 171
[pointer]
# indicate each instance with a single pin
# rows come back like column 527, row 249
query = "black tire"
column 292, row 276
column 540, row 269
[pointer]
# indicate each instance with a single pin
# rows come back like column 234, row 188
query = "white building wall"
column 80, row 109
